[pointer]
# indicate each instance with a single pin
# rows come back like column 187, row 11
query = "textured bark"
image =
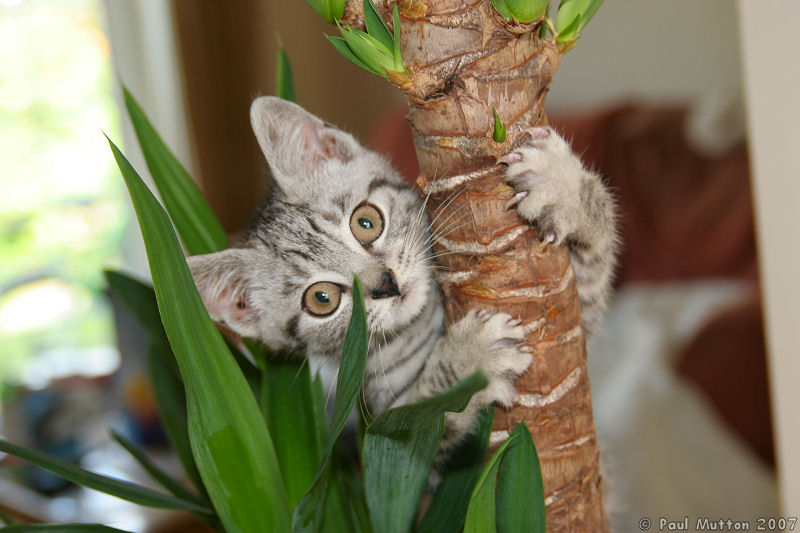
column 464, row 60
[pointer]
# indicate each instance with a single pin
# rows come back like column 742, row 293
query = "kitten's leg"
column 568, row 204
column 490, row 342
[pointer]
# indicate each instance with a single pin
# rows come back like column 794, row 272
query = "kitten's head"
column 335, row 209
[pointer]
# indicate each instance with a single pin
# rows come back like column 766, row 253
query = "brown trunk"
column 464, row 60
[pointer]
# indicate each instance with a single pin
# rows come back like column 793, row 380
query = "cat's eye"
column 322, row 298
column 366, row 223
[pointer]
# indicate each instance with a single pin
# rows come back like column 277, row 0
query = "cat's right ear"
column 223, row 279
column 295, row 142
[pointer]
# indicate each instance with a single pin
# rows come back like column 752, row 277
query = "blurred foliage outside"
column 62, row 210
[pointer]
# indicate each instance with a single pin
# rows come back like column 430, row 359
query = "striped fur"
column 301, row 235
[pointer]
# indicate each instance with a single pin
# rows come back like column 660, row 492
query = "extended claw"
column 517, row 198
column 514, row 322
column 550, row 238
column 510, row 158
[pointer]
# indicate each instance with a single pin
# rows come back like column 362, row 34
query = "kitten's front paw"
column 494, row 344
column 547, row 178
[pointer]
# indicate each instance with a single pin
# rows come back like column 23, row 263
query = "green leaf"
column 344, row 503
column 572, row 17
column 115, row 487
column 284, row 78
column 569, row 11
column 398, row 57
column 448, row 509
column 330, row 10
column 341, row 46
column 589, row 13
column 140, row 299
column 309, row 512
column 481, row 510
column 230, row 442
column 61, row 528
column 171, row 402
column 158, row 475
column 501, row 7
column 354, row 494
column 499, row 134
column 520, row 493
column 522, row 11
column 376, row 27
column 570, row 33
column 367, row 49
column 405, row 439
column 196, row 223
column 287, row 402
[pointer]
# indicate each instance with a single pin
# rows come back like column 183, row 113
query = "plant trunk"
column 463, row 60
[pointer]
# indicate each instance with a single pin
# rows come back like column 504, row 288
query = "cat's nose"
column 387, row 288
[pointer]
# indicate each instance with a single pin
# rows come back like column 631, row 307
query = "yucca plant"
column 475, row 74
column 258, row 450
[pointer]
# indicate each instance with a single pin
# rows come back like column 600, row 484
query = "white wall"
column 650, row 50
column 770, row 46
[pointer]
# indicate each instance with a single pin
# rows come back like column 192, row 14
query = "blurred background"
column 653, row 97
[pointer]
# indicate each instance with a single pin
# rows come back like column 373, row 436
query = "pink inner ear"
column 323, row 145
column 230, row 305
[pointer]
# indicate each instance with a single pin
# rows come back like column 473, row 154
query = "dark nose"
column 387, row 288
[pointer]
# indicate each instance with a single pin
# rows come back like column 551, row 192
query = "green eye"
column 365, row 223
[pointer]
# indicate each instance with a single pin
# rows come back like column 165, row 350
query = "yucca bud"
column 499, row 134
column 522, row 11
column 377, row 50
column 572, row 17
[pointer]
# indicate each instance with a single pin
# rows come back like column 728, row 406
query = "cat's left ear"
column 295, row 142
column 223, row 280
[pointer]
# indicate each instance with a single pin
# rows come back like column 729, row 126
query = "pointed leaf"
column 481, row 511
column 158, row 475
column 284, row 78
column 230, row 442
column 499, row 134
column 405, row 439
column 171, row 403
column 196, row 223
column 376, row 27
column 140, row 299
column 287, row 404
column 330, row 10
column 448, row 509
column 520, row 493
column 341, row 46
column 570, row 33
column 309, row 512
column 589, row 13
column 359, row 44
column 115, row 487
column 398, row 57
column 568, row 11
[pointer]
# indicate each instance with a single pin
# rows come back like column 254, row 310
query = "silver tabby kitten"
column 336, row 209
